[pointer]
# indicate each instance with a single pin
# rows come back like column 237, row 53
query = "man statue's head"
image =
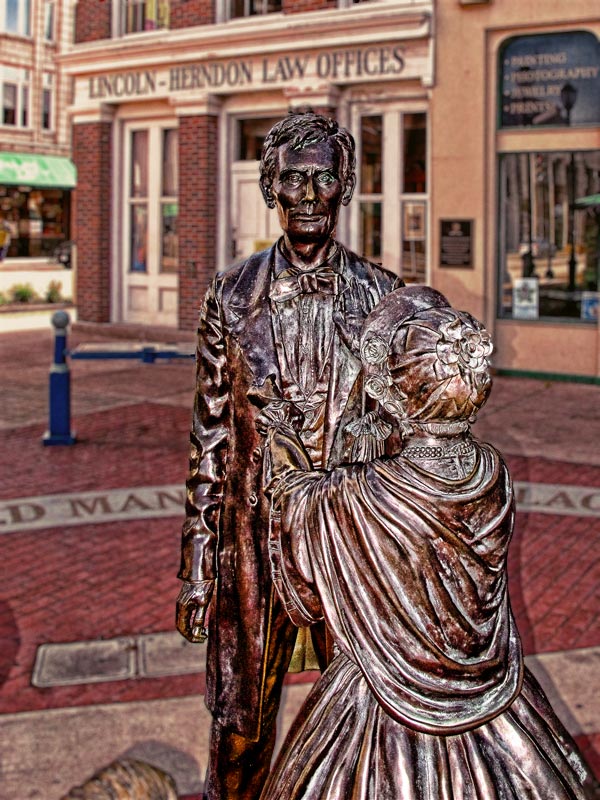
column 306, row 172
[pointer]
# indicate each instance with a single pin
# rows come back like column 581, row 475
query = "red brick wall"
column 295, row 6
column 92, row 214
column 187, row 13
column 92, row 20
column 198, row 202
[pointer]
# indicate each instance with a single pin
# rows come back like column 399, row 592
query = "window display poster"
column 414, row 222
column 589, row 306
column 456, row 243
column 526, row 298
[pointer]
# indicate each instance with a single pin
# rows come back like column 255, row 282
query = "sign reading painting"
column 352, row 64
column 550, row 79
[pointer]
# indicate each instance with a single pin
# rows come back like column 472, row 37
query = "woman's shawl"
column 409, row 571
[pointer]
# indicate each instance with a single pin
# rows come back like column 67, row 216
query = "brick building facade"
column 172, row 100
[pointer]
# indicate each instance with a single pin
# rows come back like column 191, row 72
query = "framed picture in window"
column 414, row 222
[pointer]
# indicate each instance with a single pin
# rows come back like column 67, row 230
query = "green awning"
column 589, row 201
column 31, row 169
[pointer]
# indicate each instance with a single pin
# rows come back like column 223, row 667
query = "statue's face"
column 307, row 191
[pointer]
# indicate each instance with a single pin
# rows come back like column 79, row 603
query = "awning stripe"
column 32, row 169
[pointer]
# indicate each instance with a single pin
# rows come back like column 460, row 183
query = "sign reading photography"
column 550, row 79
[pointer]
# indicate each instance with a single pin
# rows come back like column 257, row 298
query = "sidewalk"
column 90, row 666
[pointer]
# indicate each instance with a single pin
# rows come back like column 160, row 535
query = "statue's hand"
column 279, row 414
column 192, row 604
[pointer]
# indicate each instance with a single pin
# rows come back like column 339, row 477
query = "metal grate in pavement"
column 146, row 656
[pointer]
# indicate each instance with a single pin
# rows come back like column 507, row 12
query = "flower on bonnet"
column 462, row 347
column 374, row 350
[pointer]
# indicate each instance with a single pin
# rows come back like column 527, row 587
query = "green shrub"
column 54, row 292
column 23, row 293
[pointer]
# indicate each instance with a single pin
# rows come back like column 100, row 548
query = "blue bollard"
column 59, row 386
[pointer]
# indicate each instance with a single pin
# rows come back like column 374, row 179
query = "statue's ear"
column 267, row 193
column 348, row 189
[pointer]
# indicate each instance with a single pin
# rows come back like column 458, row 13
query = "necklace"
column 435, row 452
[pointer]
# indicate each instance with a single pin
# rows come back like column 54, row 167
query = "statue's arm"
column 208, row 457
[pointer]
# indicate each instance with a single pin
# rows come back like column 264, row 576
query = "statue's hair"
column 300, row 129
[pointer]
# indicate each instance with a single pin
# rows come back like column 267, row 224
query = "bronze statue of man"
column 279, row 325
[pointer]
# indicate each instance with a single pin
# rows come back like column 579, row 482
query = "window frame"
column 20, row 80
column 23, row 27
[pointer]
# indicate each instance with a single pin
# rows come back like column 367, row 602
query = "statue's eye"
column 326, row 178
column 292, row 179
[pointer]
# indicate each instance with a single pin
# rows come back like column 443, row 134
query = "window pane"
column 49, row 21
column 415, row 153
column 549, row 235
column 371, row 141
column 26, row 17
column 139, row 238
column 24, row 106
column 170, row 239
column 246, row 8
column 46, row 109
column 139, row 164
column 370, row 229
column 170, row 180
column 251, row 135
column 9, row 104
column 414, row 250
column 12, row 16
column 145, row 15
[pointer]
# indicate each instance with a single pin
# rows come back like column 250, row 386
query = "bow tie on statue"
column 319, row 281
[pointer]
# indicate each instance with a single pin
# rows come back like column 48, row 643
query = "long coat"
column 225, row 535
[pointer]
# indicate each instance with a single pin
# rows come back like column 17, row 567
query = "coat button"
column 253, row 499
column 257, row 454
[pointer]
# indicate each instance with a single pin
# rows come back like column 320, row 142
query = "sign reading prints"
column 147, row 502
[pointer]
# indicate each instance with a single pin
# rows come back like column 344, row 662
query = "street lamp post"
column 568, row 97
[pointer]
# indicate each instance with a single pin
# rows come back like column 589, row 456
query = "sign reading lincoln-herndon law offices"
column 356, row 64
column 550, row 79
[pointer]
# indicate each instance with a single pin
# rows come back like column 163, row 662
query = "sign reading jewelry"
column 550, row 79
column 353, row 64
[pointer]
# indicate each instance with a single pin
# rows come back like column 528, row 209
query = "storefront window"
column 549, row 235
column 168, row 202
column 38, row 219
column 145, row 15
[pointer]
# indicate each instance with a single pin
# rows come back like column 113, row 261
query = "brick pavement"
column 104, row 580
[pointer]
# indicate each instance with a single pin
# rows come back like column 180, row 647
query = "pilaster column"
column 198, row 203
column 92, row 214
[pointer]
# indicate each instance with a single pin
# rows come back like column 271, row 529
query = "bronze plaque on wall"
column 456, row 243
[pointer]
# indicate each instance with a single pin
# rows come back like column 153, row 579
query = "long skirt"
column 343, row 746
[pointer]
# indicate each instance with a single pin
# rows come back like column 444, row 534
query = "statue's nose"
column 310, row 195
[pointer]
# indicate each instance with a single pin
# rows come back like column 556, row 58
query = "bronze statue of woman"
column 427, row 696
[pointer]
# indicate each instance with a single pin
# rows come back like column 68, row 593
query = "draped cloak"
column 427, row 697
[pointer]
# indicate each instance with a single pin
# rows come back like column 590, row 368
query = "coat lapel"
column 248, row 310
